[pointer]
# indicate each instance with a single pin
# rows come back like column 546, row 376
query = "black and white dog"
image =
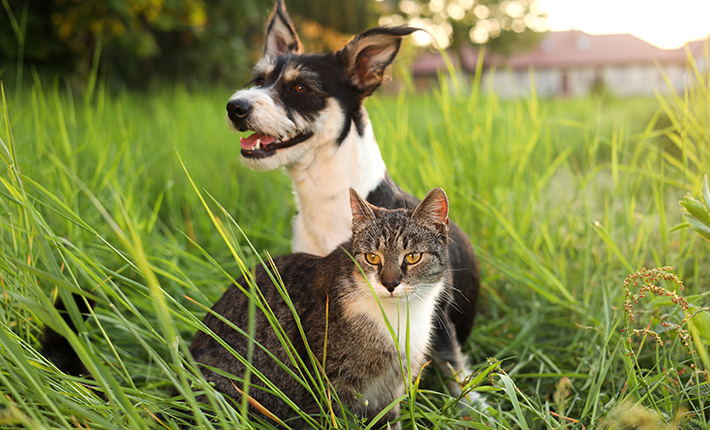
column 306, row 114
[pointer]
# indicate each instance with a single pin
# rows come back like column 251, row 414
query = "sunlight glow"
column 660, row 22
column 436, row 5
column 410, row 7
column 455, row 11
column 481, row 11
column 478, row 34
column 514, row 9
column 466, row 4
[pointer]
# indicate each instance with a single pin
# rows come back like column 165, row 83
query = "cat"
column 399, row 255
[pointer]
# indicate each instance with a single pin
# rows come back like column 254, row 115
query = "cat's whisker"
column 451, row 301
column 443, row 321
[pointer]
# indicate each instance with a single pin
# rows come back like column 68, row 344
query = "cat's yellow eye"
column 412, row 258
column 372, row 258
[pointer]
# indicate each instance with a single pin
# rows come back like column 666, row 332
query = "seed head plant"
column 646, row 280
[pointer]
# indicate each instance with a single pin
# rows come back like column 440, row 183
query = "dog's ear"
column 281, row 37
column 368, row 54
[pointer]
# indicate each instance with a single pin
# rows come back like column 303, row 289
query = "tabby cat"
column 397, row 259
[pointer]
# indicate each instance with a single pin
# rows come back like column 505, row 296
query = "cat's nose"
column 390, row 284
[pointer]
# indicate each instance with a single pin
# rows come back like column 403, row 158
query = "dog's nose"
column 238, row 108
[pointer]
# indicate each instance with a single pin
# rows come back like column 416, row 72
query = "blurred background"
column 140, row 42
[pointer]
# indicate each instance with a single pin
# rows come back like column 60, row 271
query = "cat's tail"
column 57, row 348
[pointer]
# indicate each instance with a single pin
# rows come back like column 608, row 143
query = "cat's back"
column 295, row 271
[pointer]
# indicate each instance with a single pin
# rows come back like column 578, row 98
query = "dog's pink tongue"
column 249, row 142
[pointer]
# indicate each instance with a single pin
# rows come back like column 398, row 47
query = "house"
column 572, row 63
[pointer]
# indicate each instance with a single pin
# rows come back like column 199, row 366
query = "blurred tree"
column 140, row 40
column 144, row 41
column 504, row 26
column 325, row 25
column 197, row 40
column 39, row 45
column 346, row 17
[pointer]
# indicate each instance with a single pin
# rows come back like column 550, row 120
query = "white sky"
column 664, row 23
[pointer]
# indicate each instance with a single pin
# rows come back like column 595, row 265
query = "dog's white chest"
column 324, row 218
column 319, row 228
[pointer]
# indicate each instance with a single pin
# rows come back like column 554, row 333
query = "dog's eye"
column 299, row 88
column 259, row 82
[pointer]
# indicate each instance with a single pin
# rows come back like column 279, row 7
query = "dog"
column 305, row 113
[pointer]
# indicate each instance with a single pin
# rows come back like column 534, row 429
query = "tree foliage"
column 325, row 25
column 346, row 17
column 139, row 40
column 503, row 25
column 143, row 41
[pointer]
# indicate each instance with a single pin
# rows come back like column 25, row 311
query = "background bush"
column 149, row 41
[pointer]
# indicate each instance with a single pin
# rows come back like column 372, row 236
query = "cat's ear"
column 368, row 54
column 281, row 37
column 434, row 208
column 362, row 210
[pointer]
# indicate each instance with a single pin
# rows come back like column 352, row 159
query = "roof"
column 429, row 63
column 572, row 48
column 577, row 48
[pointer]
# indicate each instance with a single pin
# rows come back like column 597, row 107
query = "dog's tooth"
column 257, row 145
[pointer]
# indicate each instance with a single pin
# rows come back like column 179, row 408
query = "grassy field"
column 140, row 201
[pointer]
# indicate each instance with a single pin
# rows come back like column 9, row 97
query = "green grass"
column 562, row 198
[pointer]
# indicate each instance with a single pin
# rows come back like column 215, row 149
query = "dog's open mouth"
column 262, row 145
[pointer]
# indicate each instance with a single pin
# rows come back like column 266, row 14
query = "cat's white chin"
column 398, row 294
column 404, row 300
